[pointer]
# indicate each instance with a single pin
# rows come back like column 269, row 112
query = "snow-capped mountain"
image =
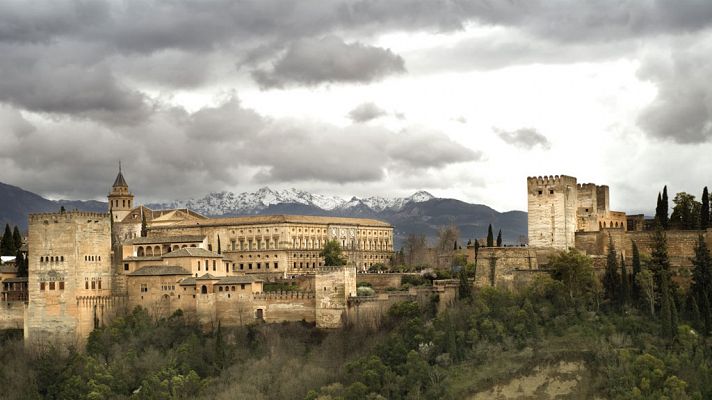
column 228, row 203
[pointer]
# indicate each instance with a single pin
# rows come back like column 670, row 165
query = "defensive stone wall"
column 333, row 286
column 552, row 211
column 498, row 266
column 381, row 282
column 12, row 315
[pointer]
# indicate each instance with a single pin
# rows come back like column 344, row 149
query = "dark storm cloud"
column 365, row 112
column 326, row 60
column 207, row 150
column 525, row 138
column 682, row 109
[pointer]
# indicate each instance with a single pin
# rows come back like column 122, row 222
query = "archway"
column 204, row 289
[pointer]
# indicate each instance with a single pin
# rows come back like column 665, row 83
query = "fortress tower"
column 69, row 276
column 552, row 204
column 120, row 199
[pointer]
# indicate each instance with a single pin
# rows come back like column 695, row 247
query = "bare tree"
column 415, row 249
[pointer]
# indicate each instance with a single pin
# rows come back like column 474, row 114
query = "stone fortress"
column 85, row 267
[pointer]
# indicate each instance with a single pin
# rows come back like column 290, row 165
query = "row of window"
column 52, row 285
column 252, row 245
column 306, row 265
column 168, row 287
column 259, row 266
column 214, row 266
column 230, row 288
column 92, row 258
column 115, row 203
column 258, row 256
column 95, row 284
column 44, row 259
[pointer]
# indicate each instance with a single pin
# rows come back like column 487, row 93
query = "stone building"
column 85, row 267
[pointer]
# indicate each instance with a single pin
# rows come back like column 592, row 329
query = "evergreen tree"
column 62, row 209
column 7, row 247
column 219, row 249
column 465, row 289
column 144, row 226
column 17, row 238
column 455, row 246
column 705, row 210
column 499, row 238
column 667, row 330
column 664, row 208
column 658, row 210
column 634, row 287
column 695, row 314
column 659, row 261
column 332, row 254
column 611, row 280
column 701, row 287
column 21, row 264
column 490, row 236
column 625, row 285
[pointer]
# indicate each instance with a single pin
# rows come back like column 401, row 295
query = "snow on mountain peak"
column 222, row 203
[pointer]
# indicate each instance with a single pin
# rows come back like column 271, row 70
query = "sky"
column 464, row 99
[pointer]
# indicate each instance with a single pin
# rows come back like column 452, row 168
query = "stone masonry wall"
column 552, row 211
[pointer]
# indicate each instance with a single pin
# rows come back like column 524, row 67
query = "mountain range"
column 420, row 213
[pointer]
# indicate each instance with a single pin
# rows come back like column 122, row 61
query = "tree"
column 144, row 226
column 575, row 271
column 659, row 210
column 625, row 284
column 705, row 210
column 446, row 236
column 645, row 280
column 686, row 213
column 668, row 329
column 664, row 208
column 465, row 289
column 611, row 280
column 332, row 254
column 634, row 288
column 415, row 249
column 62, row 209
column 701, row 287
column 21, row 264
column 499, row 238
column 17, row 238
column 490, row 236
column 7, row 247
column 659, row 262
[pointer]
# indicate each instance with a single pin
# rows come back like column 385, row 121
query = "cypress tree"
column 695, row 314
column 634, row 287
column 701, row 287
column 625, row 286
column 499, row 238
column 144, row 226
column 658, row 210
column 705, row 210
column 659, row 261
column 611, row 281
column 490, row 236
column 664, row 208
column 17, row 238
column 21, row 264
column 465, row 290
column 665, row 309
column 8, row 243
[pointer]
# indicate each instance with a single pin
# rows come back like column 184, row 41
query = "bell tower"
column 120, row 199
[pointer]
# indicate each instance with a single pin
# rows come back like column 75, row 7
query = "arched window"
column 139, row 252
column 157, row 250
column 204, row 289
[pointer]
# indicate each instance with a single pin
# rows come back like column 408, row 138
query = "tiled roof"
column 144, row 258
column 155, row 270
column 8, row 269
column 237, row 279
column 166, row 239
column 206, row 277
column 15, row 280
column 187, row 282
column 192, row 252
column 120, row 181
column 282, row 219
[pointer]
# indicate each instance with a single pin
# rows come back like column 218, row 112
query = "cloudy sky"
column 464, row 99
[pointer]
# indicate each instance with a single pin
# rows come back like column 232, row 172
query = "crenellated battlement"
column 66, row 216
column 551, row 180
column 283, row 295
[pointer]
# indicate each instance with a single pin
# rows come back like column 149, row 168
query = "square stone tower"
column 552, row 203
column 69, row 276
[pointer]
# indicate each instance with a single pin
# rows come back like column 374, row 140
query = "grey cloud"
column 177, row 154
column 682, row 109
column 365, row 112
column 526, row 138
column 327, row 60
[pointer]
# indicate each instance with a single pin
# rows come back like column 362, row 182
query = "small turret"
column 120, row 199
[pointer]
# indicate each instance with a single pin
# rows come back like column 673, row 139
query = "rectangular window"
column 93, row 285
column 99, row 283
column 232, row 245
column 213, row 265
column 276, row 265
column 51, row 286
column 259, row 265
column 42, row 286
column 242, row 286
column 266, row 265
column 144, row 288
column 126, row 267
column 61, row 285
column 198, row 265
column 242, row 266
column 249, row 266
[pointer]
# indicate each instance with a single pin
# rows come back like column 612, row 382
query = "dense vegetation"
column 639, row 335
